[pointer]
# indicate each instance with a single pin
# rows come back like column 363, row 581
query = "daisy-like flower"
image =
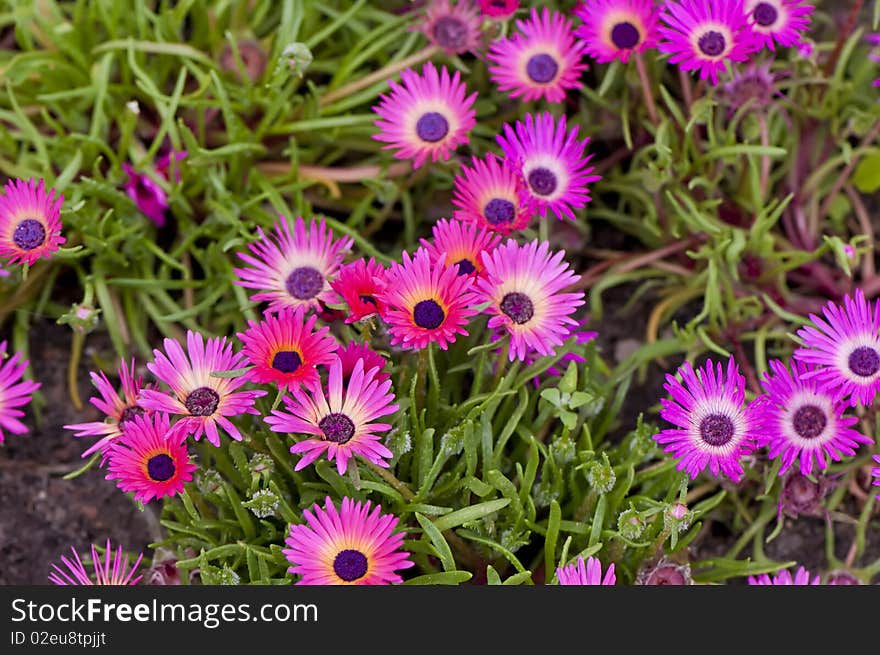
column 114, row 570
column 498, row 9
column 203, row 401
column 352, row 545
column 846, row 348
column 146, row 461
column 295, row 266
column 358, row 283
column 617, row 29
column 462, row 244
column 427, row 116
column 454, row 27
column 782, row 21
column 354, row 351
column 716, row 429
column 552, row 163
column 705, row 34
column 800, row 419
column 586, row 573
column 14, row 392
column 428, row 301
column 542, row 60
column 801, row 578
column 30, row 222
column 492, row 195
column 119, row 411
column 285, row 348
column 146, row 194
column 524, row 286
column 339, row 420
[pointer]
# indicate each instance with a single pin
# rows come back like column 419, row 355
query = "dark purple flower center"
column 202, row 402
column 432, row 127
column 304, row 283
column 499, row 211
column 129, row 413
column 29, row 234
column 465, row 266
column 350, row 565
column 518, row 306
column 543, row 181
column 364, row 298
column 809, row 421
column 625, row 35
column 542, row 68
column 864, row 361
column 450, row 33
column 337, row 427
column 765, row 14
column 428, row 314
column 712, row 43
column 160, row 467
column 716, row 429
column 286, row 361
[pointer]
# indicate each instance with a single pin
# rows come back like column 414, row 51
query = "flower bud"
column 630, row 524
column 677, row 518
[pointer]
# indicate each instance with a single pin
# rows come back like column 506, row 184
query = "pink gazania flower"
column 113, row 570
column 716, row 429
column 617, row 29
column 350, row 354
column 782, row 21
column 524, row 286
column 357, row 284
column 542, row 60
column 349, row 546
column 14, row 392
column 119, row 411
column 846, row 348
column 498, row 9
column 30, row 222
column 801, row 578
column 552, row 162
column 800, row 419
column 492, row 195
column 202, row 400
column 340, row 420
column 454, row 27
column 146, row 460
column 586, row 573
column 428, row 301
column 146, row 194
column 427, row 116
column 295, row 266
column 285, row 348
column 705, row 34
column 462, row 244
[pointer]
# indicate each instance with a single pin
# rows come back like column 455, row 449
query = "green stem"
column 76, row 348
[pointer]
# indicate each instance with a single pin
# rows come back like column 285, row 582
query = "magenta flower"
column 492, row 195
column 350, row 354
column 340, row 419
column 358, row 283
column 782, row 21
column 349, row 546
column 30, row 222
column 617, row 29
column 498, row 9
column 146, row 193
column 586, row 573
column 113, row 570
column 14, row 392
column 454, row 27
column 461, row 244
column 801, row 577
column 715, row 428
column 202, row 400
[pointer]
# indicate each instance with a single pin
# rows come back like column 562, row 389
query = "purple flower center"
column 350, row 565
column 465, row 266
column 499, row 211
column 29, row 234
column 716, row 429
column 543, row 181
column 864, row 361
column 765, row 14
column 428, row 314
column 432, row 127
column 368, row 299
column 518, row 306
column 625, row 35
column 450, row 33
column 712, row 43
column 202, row 402
column 129, row 413
column 304, row 283
column 337, row 427
column 809, row 421
column 286, row 361
column 160, row 467
column 542, row 68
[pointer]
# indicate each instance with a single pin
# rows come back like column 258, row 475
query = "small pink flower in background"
column 358, row 284
column 14, row 392
column 462, row 244
column 492, row 195
column 453, row 26
column 350, row 354
column 30, row 222
column 617, row 29
column 113, row 570
column 149, row 196
column 587, row 572
column 498, row 9
column 784, row 577
column 781, row 21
